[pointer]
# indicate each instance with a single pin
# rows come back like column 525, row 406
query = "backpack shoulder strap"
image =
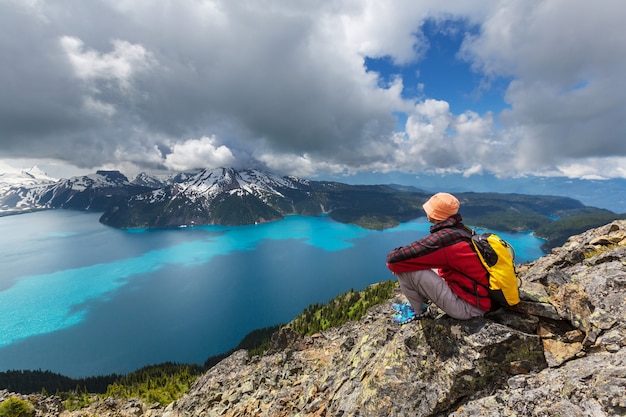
column 466, row 231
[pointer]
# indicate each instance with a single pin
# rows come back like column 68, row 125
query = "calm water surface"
column 83, row 299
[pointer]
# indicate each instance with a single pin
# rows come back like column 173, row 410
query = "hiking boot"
column 400, row 307
column 405, row 316
column 406, row 313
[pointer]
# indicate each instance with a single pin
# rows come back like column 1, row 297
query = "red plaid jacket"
column 447, row 249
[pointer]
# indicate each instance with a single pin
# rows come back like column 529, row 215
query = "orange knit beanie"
column 441, row 206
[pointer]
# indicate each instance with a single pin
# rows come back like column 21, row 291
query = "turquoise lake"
column 83, row 299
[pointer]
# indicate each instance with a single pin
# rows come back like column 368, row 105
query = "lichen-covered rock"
column 370, row 368
column 594, row 385
column 557, row 352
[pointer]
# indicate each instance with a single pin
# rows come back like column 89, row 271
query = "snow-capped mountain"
column 33, row 190
column 230, row 197
column 20, row 190
column 212, row 196
column 162, row 180
column 210, row 183
column 20, row 177
column 28, row 190
column 93, row 192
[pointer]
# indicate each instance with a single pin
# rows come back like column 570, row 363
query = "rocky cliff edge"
column 561, row 351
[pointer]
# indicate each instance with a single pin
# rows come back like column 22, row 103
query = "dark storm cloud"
column 283, row 84
column 138, row 77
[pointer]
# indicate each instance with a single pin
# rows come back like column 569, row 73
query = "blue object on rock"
column 405, row 316
column 406, row 313
column 400, row 307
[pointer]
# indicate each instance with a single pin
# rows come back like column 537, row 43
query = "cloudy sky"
column 315, row 87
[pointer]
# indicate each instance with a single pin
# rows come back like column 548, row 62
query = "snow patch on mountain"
column 101, row 179
column 23, row 177
column 31, row 189
column 210, row 183
column 21, row 189
column 160, row 180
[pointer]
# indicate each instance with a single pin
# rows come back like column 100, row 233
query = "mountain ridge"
column 237, row 197
column 228, row 196
column 93, row 192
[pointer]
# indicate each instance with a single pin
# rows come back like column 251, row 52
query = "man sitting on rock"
column 459, row 287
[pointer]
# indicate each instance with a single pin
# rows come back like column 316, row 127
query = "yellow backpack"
column 498, row 258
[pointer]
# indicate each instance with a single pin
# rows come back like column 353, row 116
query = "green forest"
column 350, row 306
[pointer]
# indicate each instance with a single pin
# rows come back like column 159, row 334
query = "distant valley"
column 236, row 197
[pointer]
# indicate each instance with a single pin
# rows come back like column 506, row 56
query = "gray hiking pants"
column 419, row 286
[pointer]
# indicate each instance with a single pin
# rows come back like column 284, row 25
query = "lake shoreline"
column 86, row 299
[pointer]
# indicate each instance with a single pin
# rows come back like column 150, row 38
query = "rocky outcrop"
column 562, row 350
column 583, row 284
column 559, row 352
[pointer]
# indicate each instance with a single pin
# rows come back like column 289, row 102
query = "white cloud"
column 107, row 78
column 119, row 65
column 435, row 138
column 98, row 107
column 566, row 63
column 299, row 165
column 476, row 169
column 198, row 153
column 594, row 168
column 383, row 29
